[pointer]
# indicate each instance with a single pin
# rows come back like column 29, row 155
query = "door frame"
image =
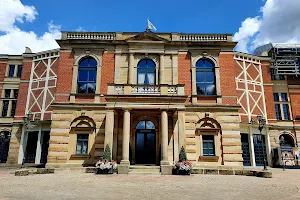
column 135, row 120
column 145, row 138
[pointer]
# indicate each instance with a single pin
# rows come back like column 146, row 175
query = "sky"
column 37, row 23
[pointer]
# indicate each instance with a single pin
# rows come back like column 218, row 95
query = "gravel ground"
column 66, row 185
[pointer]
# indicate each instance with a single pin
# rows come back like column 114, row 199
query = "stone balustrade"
column 203, row 38
column 163, row 89
column 89, row 36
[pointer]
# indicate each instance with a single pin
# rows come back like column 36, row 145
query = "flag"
column 150, row 26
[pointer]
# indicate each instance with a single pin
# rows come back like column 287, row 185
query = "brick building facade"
column 145, row 95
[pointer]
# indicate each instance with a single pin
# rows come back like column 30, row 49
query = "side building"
column 146, row 95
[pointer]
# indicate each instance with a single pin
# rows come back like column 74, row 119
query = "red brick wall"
column 268, row 91
column 64, row 77
column 23, row 89
column 228, row 71
column 107, row 71
column 295, row 105
column 184, row 72
column 3, row 64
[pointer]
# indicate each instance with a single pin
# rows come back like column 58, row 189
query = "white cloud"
column 13, row 40
column 80, row 29
column 279, row 22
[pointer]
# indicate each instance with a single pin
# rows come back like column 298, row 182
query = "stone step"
column 140, row 169
column 144, row 173
column 143, row 167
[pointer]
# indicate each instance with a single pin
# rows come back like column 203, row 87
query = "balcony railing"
column 90, row 36
column 163, row 89
column 203, row 38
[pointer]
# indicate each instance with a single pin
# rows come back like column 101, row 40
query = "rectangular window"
column 286, row 112
column 278, row 112
column 284, row 97
column 16, row 93
column 282, row 106
column 82, row 144
column 5, row 108
column 13, row 108
column 19, row 73
column 11, row 71
column 7, row 93
column 276, row 96
column 208, row 145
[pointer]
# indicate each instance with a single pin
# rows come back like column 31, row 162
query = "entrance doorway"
column 31, row 147
column 245, row 149
column 45, row 146
column 260, row 150
column 145, row 143
column 4, row 146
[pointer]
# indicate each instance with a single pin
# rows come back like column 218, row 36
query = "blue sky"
column 201, row 16
column 38, row 23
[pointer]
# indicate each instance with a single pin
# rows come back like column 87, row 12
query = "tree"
column 107, row 154
column 182, row 155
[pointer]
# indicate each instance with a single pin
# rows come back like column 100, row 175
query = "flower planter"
column 104, row 171
column 177, row 171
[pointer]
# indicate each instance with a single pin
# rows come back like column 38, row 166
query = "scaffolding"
column 285, row 59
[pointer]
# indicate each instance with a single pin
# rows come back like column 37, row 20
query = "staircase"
column 146, row 170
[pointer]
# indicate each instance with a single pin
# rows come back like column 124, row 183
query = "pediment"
column 147, row 37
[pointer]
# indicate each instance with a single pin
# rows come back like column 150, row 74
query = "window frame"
column 89, row 69
column 82, row 141
column 10, row 70
column 208, row 141
column 19, row 71
column 146, row 70
column 205, row 71
column 279, row 104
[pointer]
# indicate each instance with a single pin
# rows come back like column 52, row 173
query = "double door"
column 145, row 148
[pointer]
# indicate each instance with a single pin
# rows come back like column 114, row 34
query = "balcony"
column 156, row 90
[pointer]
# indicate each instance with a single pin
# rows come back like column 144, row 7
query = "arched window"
column 146, row 72
column 205, row 77
column 87, row 72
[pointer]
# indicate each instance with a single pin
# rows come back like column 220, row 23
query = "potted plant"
column 183, row 166
column 106, row 166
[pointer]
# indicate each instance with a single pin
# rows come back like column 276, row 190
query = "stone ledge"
column 22, row 172
column 26, row 172
column 241, row 172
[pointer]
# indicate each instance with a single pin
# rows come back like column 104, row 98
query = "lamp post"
column 261, row 123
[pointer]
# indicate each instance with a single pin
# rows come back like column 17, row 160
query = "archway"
column 286, row 140
column 145, row 143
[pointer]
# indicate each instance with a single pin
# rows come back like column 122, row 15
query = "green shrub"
column 182, row 155
column 107, row 154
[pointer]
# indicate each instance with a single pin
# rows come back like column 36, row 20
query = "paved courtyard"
column 75, row 185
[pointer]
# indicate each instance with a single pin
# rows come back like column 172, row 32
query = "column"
column 109, row 129
column 251, row 146
column 74, row 83
column 98, row 83
column 161, row 69
column 176, row 136
column 126, row 138
column 164, row 137
column 22, row 145
column 39, row 147
column 268, row 147
column 16, row 71
column 130, row 69
column 194, row 88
